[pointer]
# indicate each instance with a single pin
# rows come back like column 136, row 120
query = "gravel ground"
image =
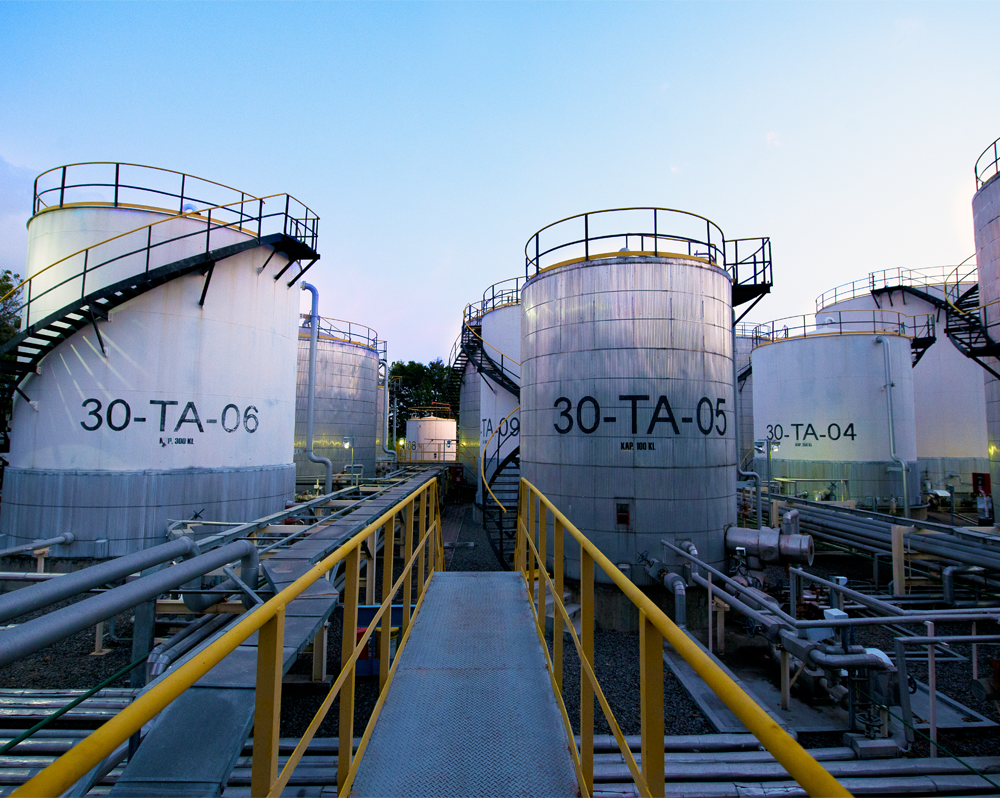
column 69, row 665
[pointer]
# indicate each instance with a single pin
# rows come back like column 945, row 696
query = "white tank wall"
column 207, row 391
column 948, row 394
column 432, row 439
column 824, row 397
column 469, row 423
column 501, row 332
column 58, row 233
column 986, row 221
column 744, row 346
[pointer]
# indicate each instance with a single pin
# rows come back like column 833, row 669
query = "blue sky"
column 433, row 139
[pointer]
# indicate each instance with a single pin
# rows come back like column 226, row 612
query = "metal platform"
column 471, row 711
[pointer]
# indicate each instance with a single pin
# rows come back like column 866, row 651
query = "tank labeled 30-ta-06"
column 160, row 356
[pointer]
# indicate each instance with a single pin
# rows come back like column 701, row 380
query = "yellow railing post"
column 557, row 620
column 586, row 692
column 421, row 566
column 349, row 601
column 408, row 585
column 438, row 538
column 529, row 534
column 519, row 541
column 267, row 709
column 651, row 704
column 542, row 568
column 388, row 552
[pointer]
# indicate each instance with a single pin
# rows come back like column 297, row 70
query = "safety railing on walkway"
column 933, row 278
column 531, row 557
column 435, row 450
column 342, row 330
column 988, row 164
column 855, row 321
column 423, row 554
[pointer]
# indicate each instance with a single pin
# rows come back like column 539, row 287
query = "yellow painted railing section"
column 530, row 557
column 422, row 549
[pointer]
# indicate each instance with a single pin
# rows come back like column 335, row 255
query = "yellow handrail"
column 485, row 343
column 655, row 626
column 483, row 474
column 142, row 228
column 268, row 619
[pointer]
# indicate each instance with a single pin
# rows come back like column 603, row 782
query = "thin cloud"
column 773, row 140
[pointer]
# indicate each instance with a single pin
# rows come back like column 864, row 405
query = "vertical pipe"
column 313, row 336
column 385, row 417
column 710, row 613
column 892, row 435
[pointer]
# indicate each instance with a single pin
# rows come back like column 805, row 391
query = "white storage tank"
column 627, row 382
column 162, row 360
column 431, row 438
column 948, row 392
column 469, row 420
column 500, row 380
column 986, row 220
column 820, row 396
column 347, row 398
column 744, row 390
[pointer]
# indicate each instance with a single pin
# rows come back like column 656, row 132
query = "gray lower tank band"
column 130, row 509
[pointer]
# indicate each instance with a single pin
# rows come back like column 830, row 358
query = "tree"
column 10, row 319
column 415, row 385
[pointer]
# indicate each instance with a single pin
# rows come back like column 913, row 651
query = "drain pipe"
column 675, row 584
column 892, row 434
column 736, row 430
column 313, row 336
column 948, row 580
column 385, row 418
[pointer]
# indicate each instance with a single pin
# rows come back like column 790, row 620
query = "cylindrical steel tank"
column 986, row 220
column 346, row 405
column 948, row 393
column 744, row 390
column 820, row 396
column 500, row 424
column 180, row 404
column 431, row 439
column 627, row 382
column 468, row 424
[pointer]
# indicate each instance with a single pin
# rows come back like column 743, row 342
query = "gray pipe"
column 770, row 624
column 62, row 538
column 385, row 417
column 814, row 657
column 948, row 580
column 892, row 434
column 31, row 598
column 313, row 336
column 167, row 653
column 675, row 583
column 736, row 430
column 249, row 575
column 23, row 640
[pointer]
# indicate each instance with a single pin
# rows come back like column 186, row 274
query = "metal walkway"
column 471, row 711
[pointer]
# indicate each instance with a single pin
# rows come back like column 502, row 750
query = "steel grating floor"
column 470, row 712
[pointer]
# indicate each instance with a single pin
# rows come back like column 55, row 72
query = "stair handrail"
column 482, row 463
column 85, row 252
column 990, row 168
column 972, row 276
